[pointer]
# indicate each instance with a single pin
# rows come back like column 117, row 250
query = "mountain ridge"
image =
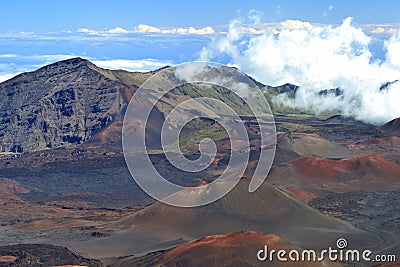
column 71, row 102
column 61, row 104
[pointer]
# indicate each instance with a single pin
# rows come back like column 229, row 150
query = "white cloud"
column 272, row 27
column 255, row 16
column 8, row 55
column 393, row 52
column 251, row 30
column 318, row 57
column 132, row 65
column 188, row 72
column 117, row 30
column 378, row 30
column 387, row 28
column 205, row 30
column 330, row 8
column 295, row 25
column 88, row 31
column 49, row 58
column 46, row 59
column 255, row 27
column 143, row 28
column 191, row 30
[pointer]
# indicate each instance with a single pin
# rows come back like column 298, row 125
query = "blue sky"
column 46, row 16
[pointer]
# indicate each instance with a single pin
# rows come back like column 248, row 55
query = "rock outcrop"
column 62, row 104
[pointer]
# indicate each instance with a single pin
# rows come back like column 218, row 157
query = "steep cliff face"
column 62, row 104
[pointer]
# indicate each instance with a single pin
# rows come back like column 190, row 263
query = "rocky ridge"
column 62, row 104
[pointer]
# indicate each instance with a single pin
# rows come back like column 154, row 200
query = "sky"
column 354, row 45
column 44, row 16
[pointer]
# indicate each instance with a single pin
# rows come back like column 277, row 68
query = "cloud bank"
column 132, row 65
column 144, row 29
column 318, row 57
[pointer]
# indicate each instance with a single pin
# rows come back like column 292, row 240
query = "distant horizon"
column 147, row 47
column 137, row 36
column 48, row 16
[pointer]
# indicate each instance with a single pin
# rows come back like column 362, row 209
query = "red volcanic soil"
column 7, row 259
column 363, row 173
column 221, row 241
column 110, row 134
column 235, row 249
column 127, row 94
column 316, row 167
column 386, row 147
